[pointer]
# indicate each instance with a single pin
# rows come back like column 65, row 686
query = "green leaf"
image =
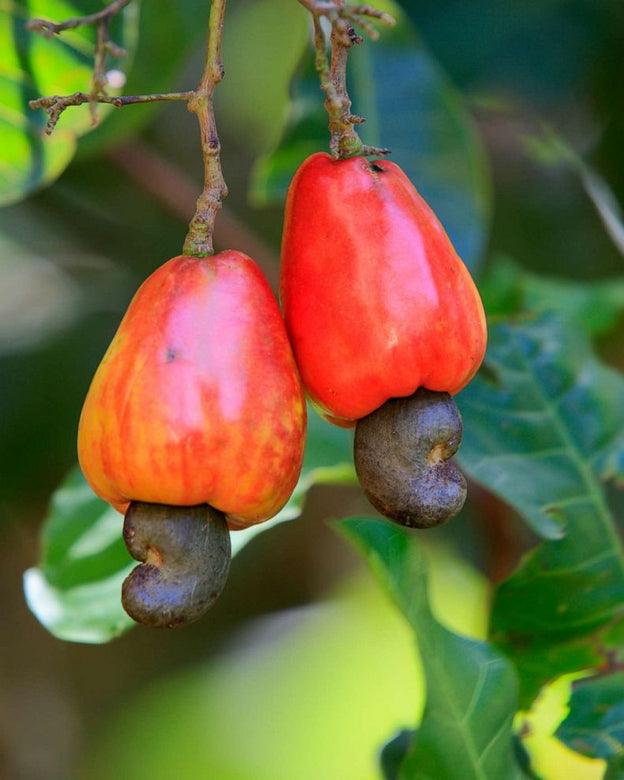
column 596, row 306
column 466, row 729
column 33, row 66
column 410, row 107
column 544, row 425
column 394, row 752
column 595, row 724
column 75, row 590
column 615, row 768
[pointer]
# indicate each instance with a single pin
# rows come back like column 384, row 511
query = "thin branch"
column 98, row 81
column 50, row 29
column 103, row 48
column 56, row 104
column 199, row 238
column 344, row 139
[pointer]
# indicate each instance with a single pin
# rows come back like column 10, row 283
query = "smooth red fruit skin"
column 198, row 398
column 377, row 302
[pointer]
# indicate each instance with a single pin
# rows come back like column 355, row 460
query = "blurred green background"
column 302, row 669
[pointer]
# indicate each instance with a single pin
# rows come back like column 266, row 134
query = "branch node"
column 114, row 50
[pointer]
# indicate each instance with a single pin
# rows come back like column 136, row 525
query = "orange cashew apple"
column 194, row 421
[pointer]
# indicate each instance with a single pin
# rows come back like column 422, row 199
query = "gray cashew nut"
column 402, row 455
column 185, row 554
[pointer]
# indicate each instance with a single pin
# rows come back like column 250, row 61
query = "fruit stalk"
column 199, row 238
column 344, row 139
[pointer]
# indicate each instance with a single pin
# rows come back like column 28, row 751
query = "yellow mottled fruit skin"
column 198, row 398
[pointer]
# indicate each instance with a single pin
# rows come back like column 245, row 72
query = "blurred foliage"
column 550, row 149
column 308, row 693
column 594, row 306
column 509, row 116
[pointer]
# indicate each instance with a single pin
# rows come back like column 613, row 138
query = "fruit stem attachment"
column 199, row 238
column 185, row 558
column 344, row 140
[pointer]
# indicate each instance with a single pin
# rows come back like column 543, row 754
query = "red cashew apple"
column 377, row 302
column 197, row 401
column 379, row 307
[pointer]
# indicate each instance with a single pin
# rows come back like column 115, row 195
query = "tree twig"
column 103, row 48
column 54, row 105
column 199, row 238
column 344, row 139
column 50, row 29
column 355, row 13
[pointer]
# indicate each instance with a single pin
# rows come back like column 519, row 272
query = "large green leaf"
column 544, row 425
column 75, row 590
column 32, row 66
column 596, row 306
column 466, row 729
column 595, row 724
column 410, row 107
